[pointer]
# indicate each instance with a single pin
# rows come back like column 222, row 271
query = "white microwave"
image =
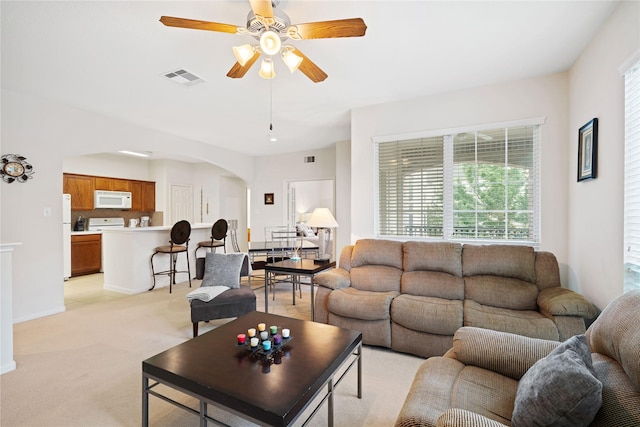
column 112, row 199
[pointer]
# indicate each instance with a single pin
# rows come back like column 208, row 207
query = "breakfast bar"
column 127, row 256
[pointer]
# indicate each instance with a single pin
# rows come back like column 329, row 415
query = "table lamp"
column 322, row 219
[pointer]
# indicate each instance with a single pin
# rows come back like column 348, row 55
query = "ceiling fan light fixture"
column 243, row 53
column 292, row 60
column 270, row 43
column 266, row 69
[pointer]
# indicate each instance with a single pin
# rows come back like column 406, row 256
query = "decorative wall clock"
column 14, row 167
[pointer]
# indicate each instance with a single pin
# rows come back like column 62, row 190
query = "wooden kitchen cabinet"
column 143, row 196
column 112, row 184
column 81, row 189
column 86, row 254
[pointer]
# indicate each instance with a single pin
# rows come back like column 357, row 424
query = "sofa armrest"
column 507, row 354
column 456, row 417
column 333, row 279
column 559, row 301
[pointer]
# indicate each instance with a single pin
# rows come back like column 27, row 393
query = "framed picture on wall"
column 588, row 150
column 268, row 198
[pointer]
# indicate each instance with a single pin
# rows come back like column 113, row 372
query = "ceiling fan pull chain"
column 271, row 105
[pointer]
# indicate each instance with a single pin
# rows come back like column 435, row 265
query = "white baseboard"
column 33, row 316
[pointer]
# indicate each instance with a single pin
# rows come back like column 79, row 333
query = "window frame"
column 447, row 134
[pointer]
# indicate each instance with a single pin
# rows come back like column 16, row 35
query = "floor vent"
column 310, row 159
column 183, row 77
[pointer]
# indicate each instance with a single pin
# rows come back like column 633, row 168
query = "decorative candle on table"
column 273, row 329
column 251, row 332
column 285, row 333
column 241, row 338
column 264, row 335
column 261, row 327
column 277, row 340
column 266, row 345
column 254, row 342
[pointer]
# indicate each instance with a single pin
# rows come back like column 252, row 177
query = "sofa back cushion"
column 376, row 278
column 376, row 265
column 377, row 252
column 547, row 270
column 616, row 334
column 513, row 261
column 345, row 258
column 445, row 257
column 501, row 276
column 502, row 292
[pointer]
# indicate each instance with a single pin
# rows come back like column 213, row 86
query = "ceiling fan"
column 271, row 27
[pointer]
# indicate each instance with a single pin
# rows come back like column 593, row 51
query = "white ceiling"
column 108, row 57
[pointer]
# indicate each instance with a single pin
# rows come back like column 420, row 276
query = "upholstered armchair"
column 492, row 378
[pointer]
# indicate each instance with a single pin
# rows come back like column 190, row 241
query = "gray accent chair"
column 231, row 303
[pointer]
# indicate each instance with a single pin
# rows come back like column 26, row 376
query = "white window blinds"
column 632, row 178
column 476, row 185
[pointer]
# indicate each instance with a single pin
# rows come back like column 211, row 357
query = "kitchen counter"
column 127, row 254
column 83, row 233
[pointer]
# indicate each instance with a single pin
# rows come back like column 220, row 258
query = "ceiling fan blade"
column 238, row 71
column 263, row 11
column 310, row 69
column 353, row 27
column 171, row 21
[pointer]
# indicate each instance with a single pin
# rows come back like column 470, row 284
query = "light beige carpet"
column 83, row 367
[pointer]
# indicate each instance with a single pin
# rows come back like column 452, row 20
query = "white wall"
column 539, row 97
column 596, row 207
column 109, row 165
column 46, row 133
column 272, row 173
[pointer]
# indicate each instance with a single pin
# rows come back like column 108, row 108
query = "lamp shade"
column 292, row 60
column 266, row 69
column 322, row 218
column 243, row 53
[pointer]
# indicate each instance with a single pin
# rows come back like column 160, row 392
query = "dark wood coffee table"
column 216, row 371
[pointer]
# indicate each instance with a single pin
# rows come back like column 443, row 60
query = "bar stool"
column 179, row 242
column 218, row 237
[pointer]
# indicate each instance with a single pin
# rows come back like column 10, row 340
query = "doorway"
column 305, row 196
column 181, row 203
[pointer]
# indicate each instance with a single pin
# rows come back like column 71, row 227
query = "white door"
column 181, row 203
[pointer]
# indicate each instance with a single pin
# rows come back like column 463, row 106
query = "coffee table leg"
column 313, row 312
column 266, row 291
column 360, row 371
column 203, row 413
column 330, row 403
column 145, row 401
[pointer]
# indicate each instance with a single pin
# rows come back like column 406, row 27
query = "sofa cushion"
column 445, row 257
column 503, row 292
column 499, row 260
column 522, row 322
column 432, row 284
column 426, row 314
column 559, row 389
column 365, row 305
column 377, row 252
column 223, row 269
column 616, row 334
column 376, row 278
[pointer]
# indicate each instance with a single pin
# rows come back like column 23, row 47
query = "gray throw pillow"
column 560, row 389
column 222, row 269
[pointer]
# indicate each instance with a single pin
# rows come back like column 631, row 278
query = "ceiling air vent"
column 184, row 77
column 310, row 159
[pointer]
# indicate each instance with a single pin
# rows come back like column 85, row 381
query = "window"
column 632, row 178
column 462, row 185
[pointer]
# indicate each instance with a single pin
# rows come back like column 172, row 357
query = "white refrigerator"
column 66, row 235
